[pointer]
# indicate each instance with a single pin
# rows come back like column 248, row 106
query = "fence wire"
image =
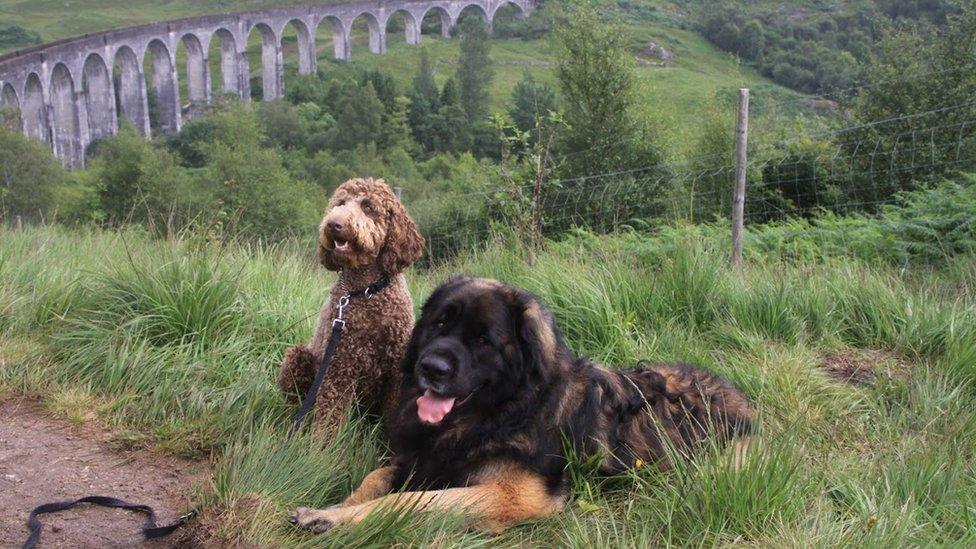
column 852, row 169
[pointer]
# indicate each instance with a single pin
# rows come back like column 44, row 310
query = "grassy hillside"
column 863, row 377
column 56, row 19
column 674, row 95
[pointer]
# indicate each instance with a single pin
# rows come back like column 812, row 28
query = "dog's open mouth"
column 342, row 246
column 432, row 407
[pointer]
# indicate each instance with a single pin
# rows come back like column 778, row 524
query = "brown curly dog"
column 365, row 234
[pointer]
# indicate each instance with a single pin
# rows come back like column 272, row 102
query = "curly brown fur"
column 491, row 398
column 296, row 373
column 366, row 233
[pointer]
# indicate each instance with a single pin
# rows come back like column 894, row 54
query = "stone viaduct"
column 73, row 91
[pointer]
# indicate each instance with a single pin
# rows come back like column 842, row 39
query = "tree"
column 423, row 83
column 384, row 85
column 29, row 176
column 424, row 103
column 596, row 80
column 282, row 125
column 359, row 116
column 475, row 70
column 252, row 191
column 396, row 126
column 450, row 93
column 531, row 101
column 135, row 180
column 450, row 128
column 928, row 115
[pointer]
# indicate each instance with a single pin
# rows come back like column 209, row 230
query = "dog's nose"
column 334, row 225
column 435, row 368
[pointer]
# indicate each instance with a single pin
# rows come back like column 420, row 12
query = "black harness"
column 150, row 530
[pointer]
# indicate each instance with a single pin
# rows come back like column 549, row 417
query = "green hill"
column 675, row 94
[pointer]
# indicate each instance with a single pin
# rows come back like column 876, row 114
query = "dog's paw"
column 299, row 357
column 318, row 521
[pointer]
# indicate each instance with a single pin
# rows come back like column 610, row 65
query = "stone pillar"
column 377, row 40
column 306, row 51
column 272, row 66
column 198, row 83
column 64, row 104
column 243, row 76
column 99, row 105
column 447, row 23
column 141, row 106
column 166, row 83
column 207, row 80
column 34, row 110
column 342, row 45
column 411, row 29
column 133, row 96
column 177, row 121
column 229, row 63
column 83, row 136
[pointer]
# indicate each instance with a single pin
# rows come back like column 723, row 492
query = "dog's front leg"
column 377, row 483
column 495, row 505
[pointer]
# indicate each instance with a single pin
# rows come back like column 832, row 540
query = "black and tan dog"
column 491, row 396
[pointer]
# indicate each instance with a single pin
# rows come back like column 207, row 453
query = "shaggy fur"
column 509, row 397
column 376, row 237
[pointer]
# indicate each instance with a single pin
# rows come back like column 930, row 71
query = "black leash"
column 338, row 324
column 150, row 530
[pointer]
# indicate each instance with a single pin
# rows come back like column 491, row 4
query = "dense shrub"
column 15, row 35
column 135, row 181
column 808, row 48
column 920, row 127
column 927, row 226
column 29, row 176
column 531, row 103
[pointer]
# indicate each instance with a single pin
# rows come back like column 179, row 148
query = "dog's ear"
column 326, row 256
column 538, row 335
column 403, row 244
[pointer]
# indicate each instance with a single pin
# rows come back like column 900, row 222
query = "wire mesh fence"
column 855, row 169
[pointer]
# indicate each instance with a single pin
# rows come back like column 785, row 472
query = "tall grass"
column 176, row 344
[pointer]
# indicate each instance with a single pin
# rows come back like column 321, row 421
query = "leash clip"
column 343, row 303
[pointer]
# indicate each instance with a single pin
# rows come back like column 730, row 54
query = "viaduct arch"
column 73, row 91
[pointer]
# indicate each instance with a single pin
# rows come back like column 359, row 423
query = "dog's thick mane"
column 565, row 400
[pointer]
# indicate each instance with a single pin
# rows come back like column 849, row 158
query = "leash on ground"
column 150, row 530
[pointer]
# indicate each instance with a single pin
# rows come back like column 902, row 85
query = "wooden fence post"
column 741, row 164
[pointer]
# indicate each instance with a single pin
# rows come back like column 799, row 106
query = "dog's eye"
column 367, row 206
column 483, row 341
column 439, row 325
column 341, row 203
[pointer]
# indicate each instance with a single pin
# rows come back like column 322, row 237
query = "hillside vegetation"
column 863, row 375
column 816, row 46
column 699, row 70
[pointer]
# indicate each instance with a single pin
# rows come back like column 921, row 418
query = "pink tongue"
column 432, row 408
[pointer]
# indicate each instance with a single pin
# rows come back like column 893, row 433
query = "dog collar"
column 373, row 288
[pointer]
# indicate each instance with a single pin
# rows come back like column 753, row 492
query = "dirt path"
column 43, row 459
